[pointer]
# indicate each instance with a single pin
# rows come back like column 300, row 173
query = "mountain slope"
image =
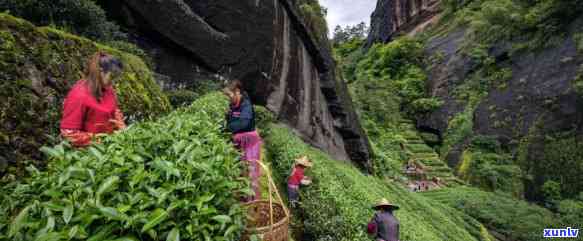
column 337, row 205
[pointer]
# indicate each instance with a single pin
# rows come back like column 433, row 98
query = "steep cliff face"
column 267, row 46
column 511, row 115
column 524, row 111
column 399, row 16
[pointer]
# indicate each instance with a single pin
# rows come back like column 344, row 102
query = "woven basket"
column 272, row 217
column 278, row 231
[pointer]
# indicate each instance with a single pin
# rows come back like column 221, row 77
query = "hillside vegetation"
column 391, row 84
column 338, row 204
column 514, row 219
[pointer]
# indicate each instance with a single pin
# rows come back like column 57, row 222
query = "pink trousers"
column 250, row 145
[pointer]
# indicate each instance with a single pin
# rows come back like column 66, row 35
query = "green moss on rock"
column 578, row 82
column 37, row 68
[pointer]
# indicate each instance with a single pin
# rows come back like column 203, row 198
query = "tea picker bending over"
column 298, row 178
column 384, row 226
column 90, row 107
column 241, row 123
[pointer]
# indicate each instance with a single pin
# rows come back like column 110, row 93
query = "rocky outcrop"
column 392, row 17
column 536, row 102
column 266, row 45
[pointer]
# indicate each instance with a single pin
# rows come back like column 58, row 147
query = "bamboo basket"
column 270, row 220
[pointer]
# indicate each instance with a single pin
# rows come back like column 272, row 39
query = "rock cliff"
column 524, row 111
column 265, row 44
column 399, row 16
column 526, row 100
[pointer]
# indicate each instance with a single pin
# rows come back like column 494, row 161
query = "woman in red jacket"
column 296, row 179
column 91, row 107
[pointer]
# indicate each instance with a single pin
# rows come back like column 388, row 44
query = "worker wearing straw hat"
column 384, row 226
column 297, row 178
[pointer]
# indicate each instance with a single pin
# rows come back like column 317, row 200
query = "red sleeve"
column 77, row 138
column 371, row 227
column 119, row 119
column 296, row 177
column 73, row 112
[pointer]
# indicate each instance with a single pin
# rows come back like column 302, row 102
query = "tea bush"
column 38, row 65
column 516, row 219
column 83, row 17
column 177, row 178
column 337, row 205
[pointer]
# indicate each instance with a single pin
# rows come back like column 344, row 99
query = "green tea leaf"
column 50, row 152
column 53, row 236
column 173, row 235
column 222, row 218
column 156, row 218
column 73, row 232
column 64, row 177
column 107, row 185
column 203, row 199
column 103, row 233
column 112, row 213
column 136, row 158
column 128, row 238
column 48, row 228
column 231, row 230
column 19, row 221
column 68, row 213
column 96, row 153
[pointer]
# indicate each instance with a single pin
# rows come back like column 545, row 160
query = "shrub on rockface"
column 177, row 178
column 397, row 68
column 561, row 159
column 37, row 68
column 82, row 17
column 314, row 16
column 485, row 164
column 531, row 24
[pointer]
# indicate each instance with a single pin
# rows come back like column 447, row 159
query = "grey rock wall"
column 265, row 44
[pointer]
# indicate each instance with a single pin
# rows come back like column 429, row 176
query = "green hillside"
column 515, row 219
column 337, row 205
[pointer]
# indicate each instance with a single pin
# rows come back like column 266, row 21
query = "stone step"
column 437, row 168
column 410, row 135
column 431, row 159
column 407, row 121
column 432, row 155
column 407, row 126
column 419, row 148
column 415, row 141
column 435, row 161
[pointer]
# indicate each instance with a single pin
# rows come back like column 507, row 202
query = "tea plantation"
column 176, row 178
column 337, row 205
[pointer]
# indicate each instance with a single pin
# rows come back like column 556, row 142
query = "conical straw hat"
column 385, row 203
column 304, row 161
